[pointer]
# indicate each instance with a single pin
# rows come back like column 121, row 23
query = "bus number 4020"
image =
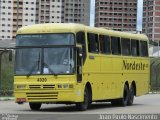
column 42, row 80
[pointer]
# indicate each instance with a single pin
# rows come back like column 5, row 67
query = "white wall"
column 6, row 19
column 55, row 11
column 29, row 12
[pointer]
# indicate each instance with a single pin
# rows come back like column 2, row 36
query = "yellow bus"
column 66, row 63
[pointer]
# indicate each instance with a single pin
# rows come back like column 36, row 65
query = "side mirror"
column 10, row 55
column 79, row 51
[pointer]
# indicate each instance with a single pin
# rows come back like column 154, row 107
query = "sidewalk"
column 6, row 98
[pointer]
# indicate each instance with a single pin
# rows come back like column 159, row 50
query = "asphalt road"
column 147, row 104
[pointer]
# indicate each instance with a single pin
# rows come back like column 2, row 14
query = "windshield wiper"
column 50, row 70
column 36, row 63
column 30, row 73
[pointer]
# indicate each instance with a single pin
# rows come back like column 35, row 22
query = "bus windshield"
column 44, row 60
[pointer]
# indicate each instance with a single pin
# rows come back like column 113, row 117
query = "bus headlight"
column 21, row 86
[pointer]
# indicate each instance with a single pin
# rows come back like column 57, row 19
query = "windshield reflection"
column 60, row 60
column 45, row 54
column 44, row 61
column 28, row 60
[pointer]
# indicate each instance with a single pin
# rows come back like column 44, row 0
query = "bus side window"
column 93, row 44
column 80, row 38
column 104, row 44
column 116, row 46
column 143, row 49
column 135, row 47
column 125, row 46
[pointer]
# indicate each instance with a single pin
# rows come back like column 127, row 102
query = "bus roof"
column 73, row 27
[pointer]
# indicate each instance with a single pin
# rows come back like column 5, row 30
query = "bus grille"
column 41, row 86
column 45, row 96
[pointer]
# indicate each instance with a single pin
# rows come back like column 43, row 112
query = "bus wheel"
column 84, row 105
column 35, row 106
column 131, row 96
column 123, row 101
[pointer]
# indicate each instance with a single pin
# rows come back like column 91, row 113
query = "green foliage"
column 155, row 74
column 7, row 77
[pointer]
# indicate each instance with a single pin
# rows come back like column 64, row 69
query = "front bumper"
column 49, row 96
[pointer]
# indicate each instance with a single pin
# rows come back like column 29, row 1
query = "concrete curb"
column 6, row 98
column 154, row 92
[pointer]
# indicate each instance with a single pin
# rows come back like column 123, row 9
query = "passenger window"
column 143, row 49
column 135, row 47
column 104, row 44
column 125, row 46
column 93, row 44
column 116, row 46
column 80, row 37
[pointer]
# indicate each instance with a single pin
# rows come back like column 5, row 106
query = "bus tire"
column 123, row 101
column 82, row 106
column 131, row 96
column 35, row 106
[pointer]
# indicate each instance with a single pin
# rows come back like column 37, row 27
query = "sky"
column 139, row 14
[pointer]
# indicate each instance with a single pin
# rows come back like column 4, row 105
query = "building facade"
column 77, row 11
column 20, row 13
column 119, row 15
column 151, row 19
column 6, row 17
